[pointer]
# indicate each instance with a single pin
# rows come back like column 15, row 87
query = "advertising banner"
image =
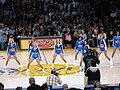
column 43, row 42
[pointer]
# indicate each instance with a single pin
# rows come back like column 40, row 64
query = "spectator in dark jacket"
column 93, row 74
column 1, row 86
column 18, row 88
column 33, row 86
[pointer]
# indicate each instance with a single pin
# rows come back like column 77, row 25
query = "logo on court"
column 35, row 70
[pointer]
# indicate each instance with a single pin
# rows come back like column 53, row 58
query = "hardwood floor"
column 108, row 76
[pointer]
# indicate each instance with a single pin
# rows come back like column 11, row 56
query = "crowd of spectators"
column 67, row 18
column 34, row 86
column 58, row 17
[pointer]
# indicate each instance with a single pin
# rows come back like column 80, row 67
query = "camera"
column 54, row 71
column 92, row 52
column 56, row 74
column 89, row 52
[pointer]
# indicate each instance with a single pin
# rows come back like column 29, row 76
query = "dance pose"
column 116, row 43
column 35, row 54
column 31, row 45
column 85, row 48
column 58, row 49
column 103, row 48
column 11, row 51
column 79, row 47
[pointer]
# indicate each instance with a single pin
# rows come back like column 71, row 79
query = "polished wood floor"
column 108, row 76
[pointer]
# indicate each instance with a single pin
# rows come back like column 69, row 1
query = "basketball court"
column 71, row 76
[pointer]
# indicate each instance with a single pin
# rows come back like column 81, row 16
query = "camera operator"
column 91, row 59
column 53, row 79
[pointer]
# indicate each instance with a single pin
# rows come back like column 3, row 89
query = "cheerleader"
column 116, row 43
column 84, row 53
column 79, row 47
column 58, row 49
column 35, row 54
column 31, row 45
column 103, row 47
column 11, row 51
column 86, row 47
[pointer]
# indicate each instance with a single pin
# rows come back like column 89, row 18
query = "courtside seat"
column 57, row 88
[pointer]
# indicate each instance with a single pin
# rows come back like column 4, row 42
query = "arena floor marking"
column 35, row 70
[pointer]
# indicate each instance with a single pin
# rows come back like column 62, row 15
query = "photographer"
column 91, row 59
column 53, row 79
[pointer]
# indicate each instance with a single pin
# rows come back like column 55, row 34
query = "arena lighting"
column 2, row 1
